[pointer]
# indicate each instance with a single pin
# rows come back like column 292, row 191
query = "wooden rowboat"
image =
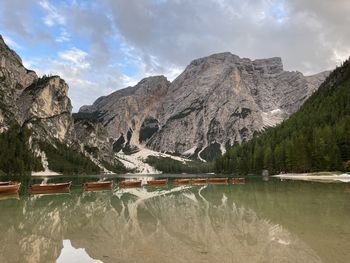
column 9, row 187
column 218, row 180
column 98, row 185
column 128, row 184
column 199, row 180
column 182, row 181
column 157, row 182
column 51, row 187
column 5, row 183
column 239, row 180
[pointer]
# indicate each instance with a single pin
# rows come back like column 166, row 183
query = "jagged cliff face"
column 40, row 103
column 14, row 78
column 126, row 113
column 222, row 99
column 47, row 109
column 216, row 102
column 94, row 139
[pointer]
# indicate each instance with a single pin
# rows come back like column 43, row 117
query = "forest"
column 169, row 165
column 316, row 138
column 16, row 158
column 66, row 160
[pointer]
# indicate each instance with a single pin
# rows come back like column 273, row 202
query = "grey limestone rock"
column 216, row 102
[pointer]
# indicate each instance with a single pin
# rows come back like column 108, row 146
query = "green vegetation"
column 316, row 138
column 169, row 165
column 15, row 155
column 117, row 168
column 39, row 82
column 66, row 160
column 85, row 116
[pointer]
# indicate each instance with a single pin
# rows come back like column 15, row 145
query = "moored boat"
column 5, row 183
column 182, row 181
column 9, row 187
column 51, row 187
column 218, row 180
column 157, row 182
column 238, row 180
column 100, row 185
column 129, row 183
column 199, row 180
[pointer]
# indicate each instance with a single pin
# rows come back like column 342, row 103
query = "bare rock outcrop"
column 216, row 102
column 126, row 113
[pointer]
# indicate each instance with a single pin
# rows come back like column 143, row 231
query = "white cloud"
column 75, row 57
column 53, row 16
column 176, row 32
column 11, row 43
column 154, row 37
column 64, row 36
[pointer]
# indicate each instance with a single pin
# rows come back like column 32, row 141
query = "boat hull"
column 199, row 181
column 129, row 184
column 182, row 181
column 98, row 185
column 51, row 187
column 218, row 180
column 158, row 182
column 9, row 187
column 5, row 183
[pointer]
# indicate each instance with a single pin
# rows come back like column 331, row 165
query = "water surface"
column 259, row 221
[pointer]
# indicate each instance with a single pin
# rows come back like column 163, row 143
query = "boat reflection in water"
column 180, row 223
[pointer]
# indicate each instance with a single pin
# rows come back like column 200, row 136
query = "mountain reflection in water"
column 211, row 223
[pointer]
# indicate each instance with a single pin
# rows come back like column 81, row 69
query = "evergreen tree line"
column 316, row 138
column 63, row 159
column 16, row 157
column 117, row 167
column 169, row 165
column 40, row 81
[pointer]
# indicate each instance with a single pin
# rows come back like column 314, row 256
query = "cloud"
column 53, row 17
column 11, row 43
column 64, row 36
column 101, row 46
column 94, row 26
column 75, row 57
column 306, row 34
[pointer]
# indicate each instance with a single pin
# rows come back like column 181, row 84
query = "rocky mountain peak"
column 8, row 56
column 268, row 66
column 125, row 111
column 41, row 103
column 216, row 102
column 272, row 65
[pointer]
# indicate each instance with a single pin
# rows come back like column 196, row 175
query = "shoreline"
column 45, row 173
column 345, row 177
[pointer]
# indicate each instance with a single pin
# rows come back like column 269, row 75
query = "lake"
column 259, row 221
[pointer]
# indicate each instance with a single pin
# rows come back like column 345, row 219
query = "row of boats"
column 13, row 187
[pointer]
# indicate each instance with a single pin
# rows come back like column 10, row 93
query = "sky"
column 100, row 46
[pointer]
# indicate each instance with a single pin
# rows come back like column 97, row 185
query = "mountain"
column 41, row 103
column 35, row 113
column 218, row 101
column 129, row 115
column 316, row 138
